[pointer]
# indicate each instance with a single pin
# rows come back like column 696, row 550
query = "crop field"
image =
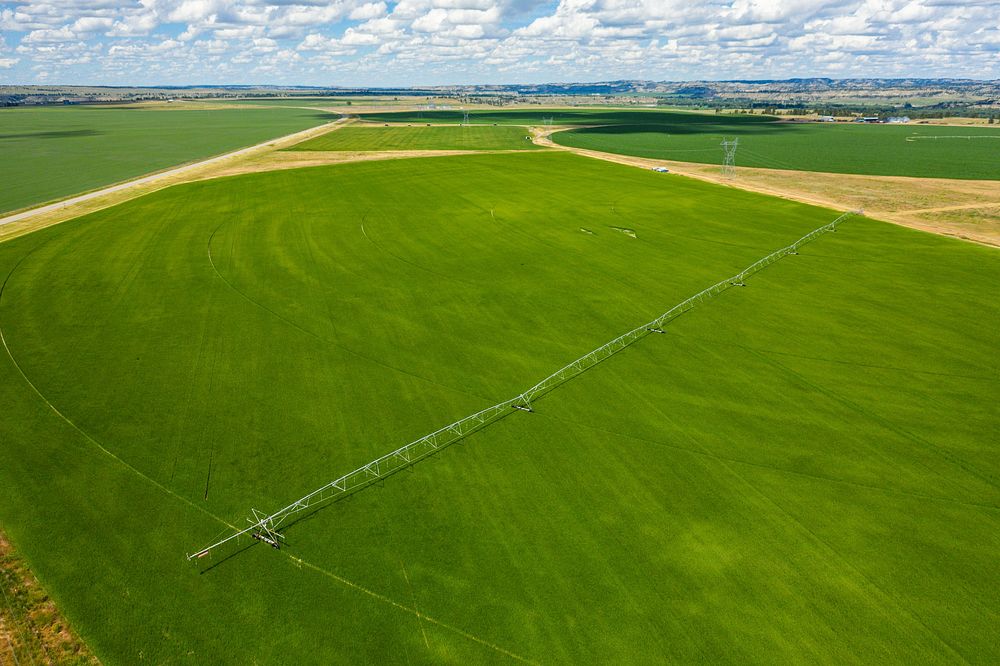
column 51, row 152
column 883, row 150
column 439, row 137
column 801, row 470
column 887, row 150
column 563, row 116
column 295, row 101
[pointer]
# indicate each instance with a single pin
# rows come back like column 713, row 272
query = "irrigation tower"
column 729, row 147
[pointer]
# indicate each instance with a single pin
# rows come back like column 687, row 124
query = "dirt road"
column 168, row 176
column 966, row 209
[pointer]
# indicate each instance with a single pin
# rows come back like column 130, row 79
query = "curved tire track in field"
column 403, row 607
column 340, row 579
column 70, row 422
column 320, row 338
column 751, row 489
column 414, row 264
column 774, row 468
column 103, row 449
column 945, row 455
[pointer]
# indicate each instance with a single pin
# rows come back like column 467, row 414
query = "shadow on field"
column 60, row 134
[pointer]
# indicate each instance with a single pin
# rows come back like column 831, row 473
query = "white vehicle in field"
column 661, row 169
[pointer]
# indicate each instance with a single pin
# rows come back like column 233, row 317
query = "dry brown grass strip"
column 32, row 631
column 929, row 204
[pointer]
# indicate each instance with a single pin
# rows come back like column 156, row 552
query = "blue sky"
column 424, row 42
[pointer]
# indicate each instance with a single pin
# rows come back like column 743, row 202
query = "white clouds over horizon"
column 422, row 42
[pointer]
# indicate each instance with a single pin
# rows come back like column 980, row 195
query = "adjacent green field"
column 297, row 101
column 50, row 153
column 882, row 150
column 803, row 470
column 885, row 150
column 601, row 116
column 440, row 137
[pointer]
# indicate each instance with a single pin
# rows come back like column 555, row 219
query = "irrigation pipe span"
column 265, row 527
column 970, row 137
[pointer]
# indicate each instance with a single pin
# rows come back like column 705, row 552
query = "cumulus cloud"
column 397, row 42
column 368, row 10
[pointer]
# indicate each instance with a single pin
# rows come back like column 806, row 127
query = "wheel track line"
column 775, row 468
column 70, row 422
column 887, row 424
column 884, row 422
column 324, row 340
column 407, row 262
column 850, row 405
column 416, row 607
column 206, row 512
column 406, row 576
column 822, row 543
column 533, row 238
column 408, row 609
column 873, row 366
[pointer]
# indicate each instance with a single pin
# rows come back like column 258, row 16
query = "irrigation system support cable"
column 265, row 527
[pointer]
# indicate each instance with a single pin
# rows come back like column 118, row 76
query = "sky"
column 434, row 42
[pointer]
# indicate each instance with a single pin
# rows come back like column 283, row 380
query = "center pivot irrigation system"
column 968, row 137
column 265, row 527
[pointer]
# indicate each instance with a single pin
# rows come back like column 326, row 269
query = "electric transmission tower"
column 465, row 117
column 729, row 147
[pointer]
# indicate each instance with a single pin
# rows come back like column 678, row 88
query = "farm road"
column 918, row 203
column 166, row 177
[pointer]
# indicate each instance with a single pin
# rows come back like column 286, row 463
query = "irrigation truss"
column 265, row 527
column 969, row 137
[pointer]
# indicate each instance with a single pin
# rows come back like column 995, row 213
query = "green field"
column 881, row 150
column 596, row 116
column 884, row 150
column 294, row 101
column 50, row 152
column 440, row 137
column 803, row 470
